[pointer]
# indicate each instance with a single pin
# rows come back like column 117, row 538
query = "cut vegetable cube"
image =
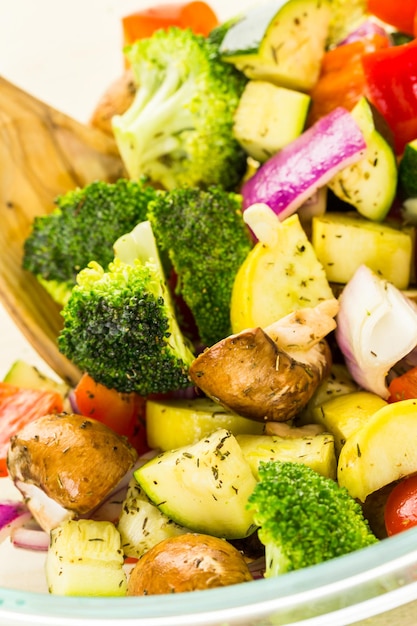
column 204, row 487
column 85, row 558
column 141, row 524
column 282, row 42
column 268, row 118
column 345, row 414
column 317, row 452
column 370, row 184
column 408, row 170
column 345, row 241
column 176, row 422
column 382, row 451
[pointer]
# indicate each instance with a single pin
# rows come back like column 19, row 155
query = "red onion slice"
column 376, row 328
column 30, row 536
column 12, row 514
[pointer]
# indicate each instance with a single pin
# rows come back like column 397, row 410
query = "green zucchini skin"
column 280, row 42
column 369, row 185
column 204, row 486
column 408, row 170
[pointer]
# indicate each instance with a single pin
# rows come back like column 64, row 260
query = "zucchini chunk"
column 370, row 184
column 176, row 422
column 282, row 42
column 204, row 487
column 317, row 451
column 141, row 524
column 344, row 241
column 268, row 118
column 280, row 275
column 408, row 170
column 85, row 559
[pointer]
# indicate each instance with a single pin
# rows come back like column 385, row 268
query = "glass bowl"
column 67, row 53
column 376, row 586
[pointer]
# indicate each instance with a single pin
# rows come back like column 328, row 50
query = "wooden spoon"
column 43, row 153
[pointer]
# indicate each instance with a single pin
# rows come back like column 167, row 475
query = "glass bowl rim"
column 374, row 571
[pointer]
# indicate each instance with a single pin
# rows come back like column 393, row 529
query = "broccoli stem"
column 154, row 120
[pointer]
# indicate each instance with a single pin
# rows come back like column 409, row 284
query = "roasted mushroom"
column 66, row 464
column 189, row 562
column 269, row 374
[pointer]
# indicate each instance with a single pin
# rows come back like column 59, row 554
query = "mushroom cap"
column 188, row 562
column 74, row 460
column 249, row 374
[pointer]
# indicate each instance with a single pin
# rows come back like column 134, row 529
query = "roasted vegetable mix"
column 244, row 299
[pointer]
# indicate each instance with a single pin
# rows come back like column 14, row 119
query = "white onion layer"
column 376, row 328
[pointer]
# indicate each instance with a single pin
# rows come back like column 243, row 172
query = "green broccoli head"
column 82, row 228
column 305, row 518
column 179, row 129
column 120, row 326
column 206, row 239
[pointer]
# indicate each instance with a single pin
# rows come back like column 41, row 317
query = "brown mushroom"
column 66, row 464
column 189, row 562
column 115, row 101
column 269, row 374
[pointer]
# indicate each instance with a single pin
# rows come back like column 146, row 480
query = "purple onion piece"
column 368, row 29
column 12, row 515
column 290, row 177
column 10, row 510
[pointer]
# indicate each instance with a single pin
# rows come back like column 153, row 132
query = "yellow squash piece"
column 281, row 274
column 381, row 452
column 343, row 415
column 338, row 383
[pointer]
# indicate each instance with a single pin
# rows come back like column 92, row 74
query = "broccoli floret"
column 206, row 239
column 82, row 228
column 179, row 129
column 304, row 517
column 120, row 325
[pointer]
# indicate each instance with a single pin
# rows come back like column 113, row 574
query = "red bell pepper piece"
column 198, row 16
column 342, row 79
column 122, row 412
column 403, row 387
column 391, row 84
column 398, row 13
